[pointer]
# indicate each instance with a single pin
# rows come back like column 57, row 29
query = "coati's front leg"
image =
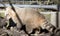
column 39, row 31
column 36, row 30
column 11, row 23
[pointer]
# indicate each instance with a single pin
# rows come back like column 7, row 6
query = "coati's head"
column 9, row 13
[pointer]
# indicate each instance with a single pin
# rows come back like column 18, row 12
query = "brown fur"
column 29, row 16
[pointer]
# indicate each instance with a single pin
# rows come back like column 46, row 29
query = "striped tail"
column 48, row 26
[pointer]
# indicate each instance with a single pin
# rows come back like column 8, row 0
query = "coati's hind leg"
column 39, row 31
column 36, row 30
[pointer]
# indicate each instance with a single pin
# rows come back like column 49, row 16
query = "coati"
column 31, row 18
